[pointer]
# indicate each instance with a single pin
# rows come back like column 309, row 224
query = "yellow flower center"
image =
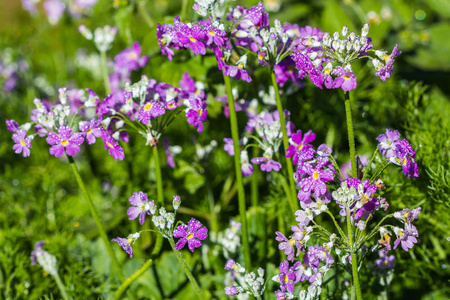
column 260, row 57
column 292, row 242
column 346, row 77
column 148, row 106
column 316, row 175
column 300, row 147
column 365, row 199
column 211, row 32
column 285, row 279
column 190, row 236
column 192, row 39
column 235, row 267
column 400, row 233
column 163, row 41
column 132, row 55
column 109, row 145
column 200, row 111
column 89, row 131
column 404, row 161
column 65, row 142
column 327, row 71
column 22, row 142
column 129, row 240
column 386, row 57
column 240, row 66
column 385, row 263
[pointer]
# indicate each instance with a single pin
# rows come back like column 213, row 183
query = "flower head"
column 22, row 142
column 65, row 141
column 126, row 243
column 141, row 207
column 193, row 234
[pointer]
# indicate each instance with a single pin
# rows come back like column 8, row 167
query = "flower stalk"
column 351, row 142
column 191, row 277
column 290, row 169
column 237, row 164
column 98, row 223
column 105, row 72
column 61, row 287
column 124, row 286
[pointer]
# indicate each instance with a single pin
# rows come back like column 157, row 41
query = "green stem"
column 105, row 72
column 351, row 137
column 351, row 142
column 144, row 13
column 337, row 226
column 160, row 196
column 186, row 270
column 237, row 165
column 122, row 288
column 159, row 186
column 98, row 223
column 254, row 180
column 61, row 287
column 293, row 196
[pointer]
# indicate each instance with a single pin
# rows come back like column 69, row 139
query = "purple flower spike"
column 65, row 141
column 22, row 143
column 192, row 234
column 92, row 130
column 141, row 207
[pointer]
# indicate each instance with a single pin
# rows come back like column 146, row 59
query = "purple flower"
column 112, row 146
column 407, row 236
column 299, row 145
column 165, row 34
column 38, row 249
column 141, row 207
column 346, row 81
column 231, row 290
column 12, row 125
column 288, row 246
column 65, row 141
column 126, row 243
column 191, row 37
column 128, row 60
column 230, row 265
column 387, row 142
column 287, row 277
column 385, row 71
column 385, row 261
column 169, row 154
column 228, row 147
column 197, row 114
column 151, row 109
column 315, row 182
column 91, row 129
column 192, row 234
column 238, row 72
column 407, row 215
column 22, row 142
column 54, row 10
column 405, row 155
column 267, row 163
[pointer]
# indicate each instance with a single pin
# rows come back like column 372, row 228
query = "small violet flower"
column 22, row 142
column 141, row 207
column 192, row 234
column 65, row 141
column 126, row 243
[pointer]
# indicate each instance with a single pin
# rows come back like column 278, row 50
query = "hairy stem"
column 186, row 270
column 160, row 196
column 98, row 223
column 290, row 169
column 237, row 165
column 351, row 142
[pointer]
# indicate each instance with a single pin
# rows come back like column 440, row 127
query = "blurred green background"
column 39, row 198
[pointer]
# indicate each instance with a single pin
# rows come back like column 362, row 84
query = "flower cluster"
column 164, row 221
column 328, row 61
column 243, row 282
column 398, row 152
column 46, row 260
column 11, row 70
